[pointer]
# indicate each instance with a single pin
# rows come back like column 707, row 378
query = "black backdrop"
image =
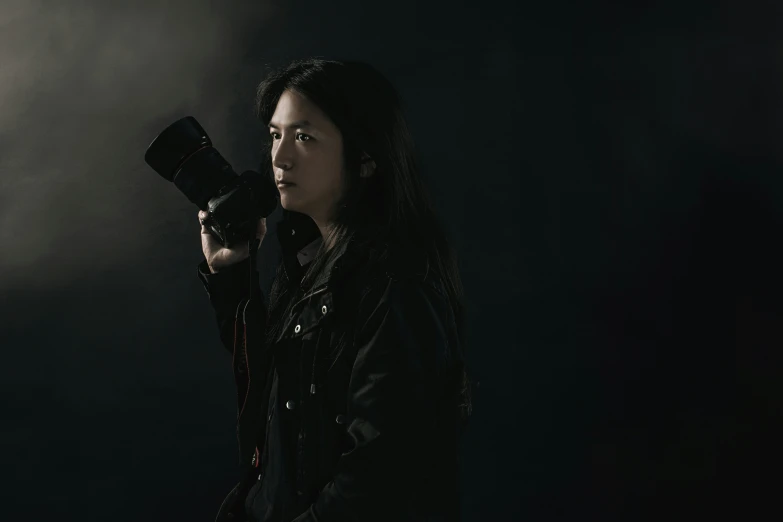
column 610, row 175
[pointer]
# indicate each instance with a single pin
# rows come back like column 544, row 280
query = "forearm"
column 227, row 289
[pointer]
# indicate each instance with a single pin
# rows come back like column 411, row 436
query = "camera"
column 183, row 154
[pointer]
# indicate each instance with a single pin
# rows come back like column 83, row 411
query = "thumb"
column 261, row 228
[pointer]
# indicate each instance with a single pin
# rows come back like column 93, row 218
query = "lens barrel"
column 174, row 145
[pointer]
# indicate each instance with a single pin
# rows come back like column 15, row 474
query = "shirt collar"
column 295, row 233
column 300, row 239
column 307, row 254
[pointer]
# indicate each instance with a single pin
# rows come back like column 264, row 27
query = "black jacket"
column 350, row 413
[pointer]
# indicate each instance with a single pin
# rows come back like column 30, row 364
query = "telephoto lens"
column 183, row 154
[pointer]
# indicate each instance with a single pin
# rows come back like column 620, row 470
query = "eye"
column 304, row 137
column 275, row 136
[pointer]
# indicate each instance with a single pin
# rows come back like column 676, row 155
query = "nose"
column 283, row 155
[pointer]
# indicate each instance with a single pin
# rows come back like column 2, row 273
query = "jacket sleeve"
column 227, row 289
column 393, row 395
column 241, row 310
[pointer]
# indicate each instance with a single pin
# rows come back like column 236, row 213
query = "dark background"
column 610, row 176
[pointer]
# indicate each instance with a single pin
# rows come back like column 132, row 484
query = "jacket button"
column 290, row 405
column 340, row 419
column 323, row 309
column 298, row 327
column 293, row 231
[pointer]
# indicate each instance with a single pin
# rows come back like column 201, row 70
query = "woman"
column 351, row 388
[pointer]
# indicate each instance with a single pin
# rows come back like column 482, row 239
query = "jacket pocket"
column 333, row 443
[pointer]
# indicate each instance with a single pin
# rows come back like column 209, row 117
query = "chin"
column 289, row 205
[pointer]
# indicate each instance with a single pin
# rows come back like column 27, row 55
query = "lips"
column 285, row 184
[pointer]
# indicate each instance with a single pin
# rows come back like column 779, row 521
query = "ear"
column 368, row 167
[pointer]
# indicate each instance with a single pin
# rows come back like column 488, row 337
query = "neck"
column 324, row 228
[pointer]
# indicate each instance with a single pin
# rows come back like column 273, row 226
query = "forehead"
column 293, row 107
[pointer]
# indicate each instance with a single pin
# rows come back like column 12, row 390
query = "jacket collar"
column 300, row 239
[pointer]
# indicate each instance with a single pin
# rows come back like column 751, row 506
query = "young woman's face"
column 307, row 151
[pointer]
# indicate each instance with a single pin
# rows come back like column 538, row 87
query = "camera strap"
column 252, row 245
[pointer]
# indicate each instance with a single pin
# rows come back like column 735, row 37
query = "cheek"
column 325, row 173
column 336, row 170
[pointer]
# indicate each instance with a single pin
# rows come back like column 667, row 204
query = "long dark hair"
column 392, row 204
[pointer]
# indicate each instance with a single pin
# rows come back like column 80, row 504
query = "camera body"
column 183, row 154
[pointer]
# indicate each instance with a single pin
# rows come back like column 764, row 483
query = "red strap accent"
column 236, row 321
column 257, row 458
column 247, row 369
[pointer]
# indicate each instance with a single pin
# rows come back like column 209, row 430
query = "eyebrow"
column 300, row 123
